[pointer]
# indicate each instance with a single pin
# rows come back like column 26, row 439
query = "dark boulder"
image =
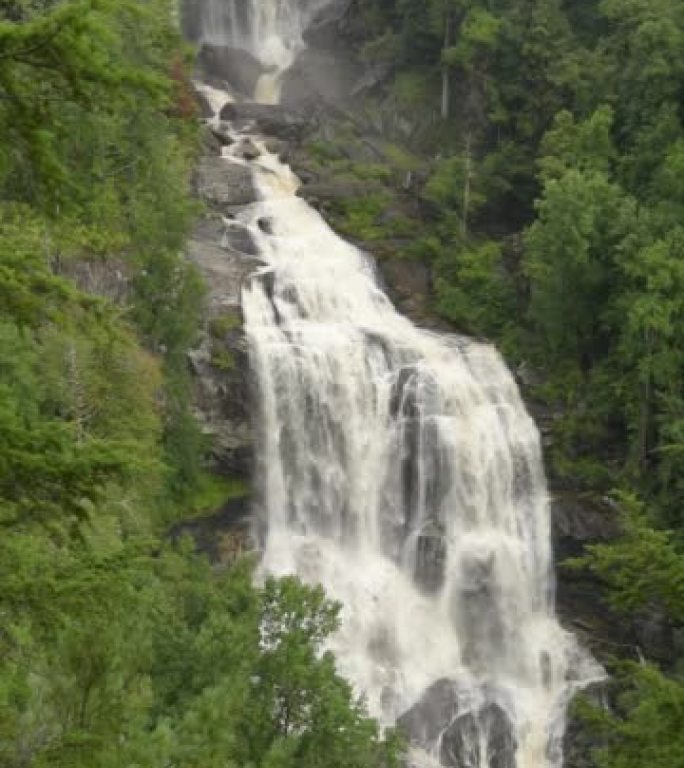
column 223, row 134
column 204, row 107
column 426, row 720
column 237, row 67
column 248, row 150
column 578, row 521
column 222, row 183
column 439, row 719
column 210, row 143
column 272, row 120
column 240, row 239
column 489, row 727
column 266, row 226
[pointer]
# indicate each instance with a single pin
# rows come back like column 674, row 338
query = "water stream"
column 400, row 469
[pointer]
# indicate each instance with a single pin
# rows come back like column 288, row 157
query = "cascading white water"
column 271, row 30
column 400, row 469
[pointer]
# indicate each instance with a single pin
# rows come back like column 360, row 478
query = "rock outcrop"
column 224, row 185
column 273, row 121
column 235, row 66
column 225, row 254
column 222, row 536
column 460, row 732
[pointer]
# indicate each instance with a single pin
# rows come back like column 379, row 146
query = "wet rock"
column 240, row 239
column 431, row 555
column 527, row 376
column 209, row 229
column 265, row 225
column 307, row 176
column 440, row 719
column 273, row 120
column 578, row 520
column 210, row 143
column 426, row 720
column 221, row 398
column 190, row 19
column 657, row 637
column 267, row 279
column 463, row 741
column 477, row 610
column 223, row 134
column 238, row 67
column 224, row 183
column 221, row 379
column 248, row 150
column 320, row 79
column 223, row 271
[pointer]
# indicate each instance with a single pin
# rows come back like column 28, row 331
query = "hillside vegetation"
column 117, row 649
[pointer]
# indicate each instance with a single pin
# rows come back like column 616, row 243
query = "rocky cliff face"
column 224, row 255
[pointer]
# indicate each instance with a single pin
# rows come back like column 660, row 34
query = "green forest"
column 117, row 648
column 551, row 164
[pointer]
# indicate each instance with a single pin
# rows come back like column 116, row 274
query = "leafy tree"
column 643, row 567
column 570, row 261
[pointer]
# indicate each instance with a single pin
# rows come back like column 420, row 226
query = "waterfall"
column 400, row 469
column 270, row 30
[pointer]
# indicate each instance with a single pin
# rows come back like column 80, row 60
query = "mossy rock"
column 222, row 358
column 223, row 324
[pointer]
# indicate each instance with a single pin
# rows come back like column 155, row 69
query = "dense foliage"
column 116, row 648
column 533, row 153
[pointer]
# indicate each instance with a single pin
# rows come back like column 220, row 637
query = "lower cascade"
column 399, row 469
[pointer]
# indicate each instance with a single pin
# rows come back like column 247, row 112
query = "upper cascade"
column 270, row 30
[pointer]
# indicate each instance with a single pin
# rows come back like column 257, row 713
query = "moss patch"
column 224, row 323
column 213, row 491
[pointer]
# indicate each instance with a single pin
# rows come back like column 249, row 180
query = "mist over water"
column 399, row 469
